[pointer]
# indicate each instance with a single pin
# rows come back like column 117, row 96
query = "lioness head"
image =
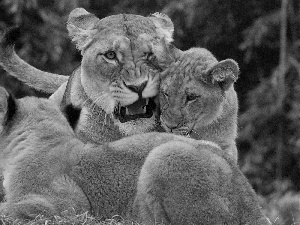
column 193, row 90
column 122, row 58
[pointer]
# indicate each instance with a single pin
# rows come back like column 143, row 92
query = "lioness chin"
column 149, row 177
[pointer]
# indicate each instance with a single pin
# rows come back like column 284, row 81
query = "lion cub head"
column 122, row 56
column 194, row 91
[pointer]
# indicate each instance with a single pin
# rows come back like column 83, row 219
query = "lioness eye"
column 110, row 55
column 191, row 97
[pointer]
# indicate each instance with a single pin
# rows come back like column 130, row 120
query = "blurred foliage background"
column 263, row 36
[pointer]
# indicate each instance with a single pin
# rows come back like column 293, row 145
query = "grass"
column 281, row 210
column 68, row 217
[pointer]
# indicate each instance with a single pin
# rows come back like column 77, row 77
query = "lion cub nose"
column 137, row 89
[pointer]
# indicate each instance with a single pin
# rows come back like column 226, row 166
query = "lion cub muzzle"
column 179, row 127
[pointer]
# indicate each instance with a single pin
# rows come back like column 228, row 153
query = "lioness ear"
column 80, row 26
column 164, row 26
column 224, row 73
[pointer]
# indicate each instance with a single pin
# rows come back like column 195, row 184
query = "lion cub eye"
column 191, row 97
column 110, row 55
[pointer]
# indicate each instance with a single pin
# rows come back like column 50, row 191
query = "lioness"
column 197, row 98
column 149, row 177
column 118, row 79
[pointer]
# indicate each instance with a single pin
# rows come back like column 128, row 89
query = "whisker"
column 98, row 99
column 105, row 117
column 194, row 131
column 85, row 101
column 92, row 97
column 99, row 114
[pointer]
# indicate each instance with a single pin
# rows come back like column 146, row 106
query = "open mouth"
column 142, row 108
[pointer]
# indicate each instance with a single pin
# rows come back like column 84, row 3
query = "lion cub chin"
column 149, row 178
column 197, row 98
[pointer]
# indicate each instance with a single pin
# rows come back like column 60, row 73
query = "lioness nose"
column 137, row 89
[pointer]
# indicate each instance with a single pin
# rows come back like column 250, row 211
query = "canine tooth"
column 147, row 100
column 145, row 109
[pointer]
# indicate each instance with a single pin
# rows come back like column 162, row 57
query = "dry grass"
column 68, row 217
column 284, row 209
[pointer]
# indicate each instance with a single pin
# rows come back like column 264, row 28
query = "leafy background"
column 263, row 36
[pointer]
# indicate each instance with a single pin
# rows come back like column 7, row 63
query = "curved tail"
column 18, row 68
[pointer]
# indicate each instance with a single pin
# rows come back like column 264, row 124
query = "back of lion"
column 167, row 176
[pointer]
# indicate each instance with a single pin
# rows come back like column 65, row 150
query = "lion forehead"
column 138, row 27
column 130, row 25
column 174, row 83
column 113, row 22
column 185, row 83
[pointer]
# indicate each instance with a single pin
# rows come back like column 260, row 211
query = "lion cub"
column 198, row 99
column 152, row 177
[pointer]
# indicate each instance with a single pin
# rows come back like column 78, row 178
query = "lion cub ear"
column 164, row 26
column 225, row 73
column 80, row 26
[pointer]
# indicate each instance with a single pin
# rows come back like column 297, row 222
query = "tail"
column 15, row 66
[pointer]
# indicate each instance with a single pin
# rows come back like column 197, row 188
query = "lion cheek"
column 122, row 95
column 93, row 83
column 150, row 92
column 152, row 87
column 126, row 98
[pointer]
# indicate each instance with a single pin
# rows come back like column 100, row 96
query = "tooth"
column 147, row 100
column 145, row 109
column 127, row 111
